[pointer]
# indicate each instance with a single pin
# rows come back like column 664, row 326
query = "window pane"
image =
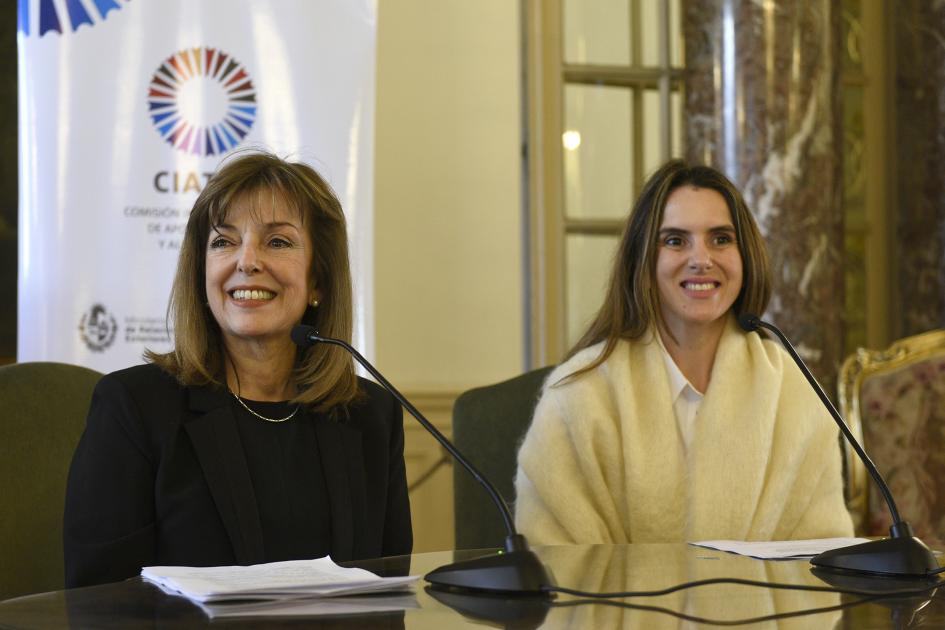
column 675, row 35
column 598, row 162
column 653, row 155
column 676, row 101
column 597, row 32
column 651, row 34
column 587, row 271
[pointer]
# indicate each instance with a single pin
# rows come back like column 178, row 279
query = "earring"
column 314, row 303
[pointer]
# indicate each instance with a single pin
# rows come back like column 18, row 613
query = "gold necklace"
column 262, row 417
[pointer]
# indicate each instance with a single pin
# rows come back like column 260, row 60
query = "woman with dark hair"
column 667, row 422
column 237, row 447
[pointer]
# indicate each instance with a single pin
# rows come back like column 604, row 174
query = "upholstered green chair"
column 42, row 414
column 894, row 400
column 488, row 426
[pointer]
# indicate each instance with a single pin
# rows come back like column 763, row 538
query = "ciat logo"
column 51, row 16
column 202, row 101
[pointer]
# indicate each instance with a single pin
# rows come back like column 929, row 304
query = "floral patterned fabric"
column 903, row 415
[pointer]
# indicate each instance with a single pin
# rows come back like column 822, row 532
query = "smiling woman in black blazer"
column 237, row 447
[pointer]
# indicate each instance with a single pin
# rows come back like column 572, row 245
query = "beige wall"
column 447, row 218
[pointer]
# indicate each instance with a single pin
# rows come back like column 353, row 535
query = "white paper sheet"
column 780, row 549
column 275, row 580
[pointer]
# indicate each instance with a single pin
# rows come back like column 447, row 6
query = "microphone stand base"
column 890, row 557
column 518, row 573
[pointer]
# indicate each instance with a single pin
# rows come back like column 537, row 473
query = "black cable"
column 604, row 599
column 744, row 582
column 937, row 571
column 717, row 622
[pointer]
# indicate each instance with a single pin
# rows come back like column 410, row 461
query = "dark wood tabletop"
column 135, row 603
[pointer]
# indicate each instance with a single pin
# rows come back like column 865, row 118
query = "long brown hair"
column 324, row 374
column 632, row 304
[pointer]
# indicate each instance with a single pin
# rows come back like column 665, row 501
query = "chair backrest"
column 894, row 400
column 42, row 414
column 488, row 426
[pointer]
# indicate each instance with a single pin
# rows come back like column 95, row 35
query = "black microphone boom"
column 900, row 555
column 517, row 570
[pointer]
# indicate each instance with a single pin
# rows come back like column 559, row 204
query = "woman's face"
column 698, row 265
column 259, row 263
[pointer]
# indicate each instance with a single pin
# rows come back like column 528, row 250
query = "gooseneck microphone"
column 902, row 554
column 517, row 570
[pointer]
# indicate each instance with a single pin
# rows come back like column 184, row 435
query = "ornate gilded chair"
column 894, row 401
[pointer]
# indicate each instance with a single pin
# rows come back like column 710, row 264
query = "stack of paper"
column 274, row 581
column 780, row 549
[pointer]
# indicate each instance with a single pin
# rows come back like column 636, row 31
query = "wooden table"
column 137, row 604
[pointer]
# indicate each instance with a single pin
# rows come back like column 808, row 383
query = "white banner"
column 126, row 107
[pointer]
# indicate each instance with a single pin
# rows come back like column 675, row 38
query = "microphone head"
column 749, row 322
column 302, row 336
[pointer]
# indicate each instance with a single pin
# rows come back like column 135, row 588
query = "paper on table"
column 275, row 580
column 780, row 549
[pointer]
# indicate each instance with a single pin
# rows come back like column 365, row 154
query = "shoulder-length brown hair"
column 324, row 374
column 632, row 304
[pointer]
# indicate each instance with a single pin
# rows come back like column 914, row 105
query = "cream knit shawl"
column 603, row 461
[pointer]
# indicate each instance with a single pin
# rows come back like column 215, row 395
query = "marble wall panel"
column 919, row 218
column 763, row 105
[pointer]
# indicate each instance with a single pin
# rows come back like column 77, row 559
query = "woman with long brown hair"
column 237, row 447
column 667, row 422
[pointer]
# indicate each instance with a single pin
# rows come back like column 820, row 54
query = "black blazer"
column 160, row 478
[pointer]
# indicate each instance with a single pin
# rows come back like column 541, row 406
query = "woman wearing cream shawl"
column 667, row 422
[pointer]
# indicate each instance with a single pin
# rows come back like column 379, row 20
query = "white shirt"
column 686, row 399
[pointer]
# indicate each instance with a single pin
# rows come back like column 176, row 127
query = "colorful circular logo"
column 202, row 101
column 50, row 17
